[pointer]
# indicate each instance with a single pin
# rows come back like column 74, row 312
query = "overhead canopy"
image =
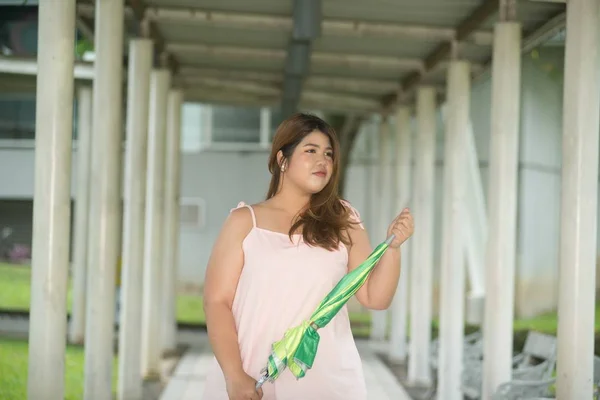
column 363, row 55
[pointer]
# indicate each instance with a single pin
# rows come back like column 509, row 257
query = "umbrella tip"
column 389, row 240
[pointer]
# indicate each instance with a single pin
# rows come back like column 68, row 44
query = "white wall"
column 222, row 180
column 17, row 163
column 540, row 184
column 539, row 175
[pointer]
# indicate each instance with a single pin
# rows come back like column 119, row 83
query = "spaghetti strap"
column 354, row 213
column 249, row 207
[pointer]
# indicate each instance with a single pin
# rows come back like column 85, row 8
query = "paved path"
column 188, row 378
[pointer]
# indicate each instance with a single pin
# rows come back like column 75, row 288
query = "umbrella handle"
column 389, row 240
column 261, row 381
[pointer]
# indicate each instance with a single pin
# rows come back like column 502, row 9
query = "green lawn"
column 15, row 294
column 14, row 287
column 13, row 371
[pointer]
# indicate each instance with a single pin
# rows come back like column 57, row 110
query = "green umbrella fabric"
column 297, row 349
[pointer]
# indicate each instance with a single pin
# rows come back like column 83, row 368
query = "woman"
column 272, row 264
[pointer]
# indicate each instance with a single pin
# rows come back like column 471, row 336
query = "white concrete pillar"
column 138, row 97
column 52, row 201
column 379, row 318
column 421, row 284
column 452, row 271
column 265, row 127
column 105, row 198
column 171, row 240
column 579, row 202
column 502, row 206
column 80, row 236
column 399, row 317
column 160, row 81
column 372, row 196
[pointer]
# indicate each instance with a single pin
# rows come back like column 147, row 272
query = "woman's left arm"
column 378, row 291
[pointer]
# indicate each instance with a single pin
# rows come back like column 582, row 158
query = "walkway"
column 188, row 378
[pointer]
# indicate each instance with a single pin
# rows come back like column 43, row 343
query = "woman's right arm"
column 222, row 276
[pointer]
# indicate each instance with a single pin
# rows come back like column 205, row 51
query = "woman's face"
column 311, row 164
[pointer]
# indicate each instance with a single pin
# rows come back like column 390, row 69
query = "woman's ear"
column 280, row 159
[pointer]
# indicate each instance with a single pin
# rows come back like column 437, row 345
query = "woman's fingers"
column 402, row 227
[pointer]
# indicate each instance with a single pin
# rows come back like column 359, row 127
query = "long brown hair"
column 325, row 221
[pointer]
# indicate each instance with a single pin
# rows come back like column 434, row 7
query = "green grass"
column 13, row 371
column 15, row 294
column 14, row 287
column 548, row 322
column 189, row 309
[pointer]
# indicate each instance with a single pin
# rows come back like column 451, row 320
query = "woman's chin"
column 314, row 189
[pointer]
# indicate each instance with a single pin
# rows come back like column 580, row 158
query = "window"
column 17, row 116
column 192, row 213
column 193, row 117
column 236, row 124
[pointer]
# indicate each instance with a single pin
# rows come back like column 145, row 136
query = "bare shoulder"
column 263, row 205
column 238, row 224
column 239, row 218
column 263, row 210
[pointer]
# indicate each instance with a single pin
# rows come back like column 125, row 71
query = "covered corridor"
column 399, row 79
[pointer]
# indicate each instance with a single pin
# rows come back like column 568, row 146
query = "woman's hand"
column 242, row 387
column 402, row 228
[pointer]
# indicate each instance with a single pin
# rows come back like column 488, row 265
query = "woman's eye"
column 330, row 155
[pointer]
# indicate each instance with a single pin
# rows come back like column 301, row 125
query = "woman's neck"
column 291, row 201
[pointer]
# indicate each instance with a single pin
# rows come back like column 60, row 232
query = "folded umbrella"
column 297, row 349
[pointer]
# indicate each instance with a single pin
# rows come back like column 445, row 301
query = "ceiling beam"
column 443, row 51
column 242, row 86
column 353, row 103
column 329, row 59
column 316, row 101
column 380, row 30
column 367, row 86
column 368, row 62
column 198, row 94
column 189, row 75
column 249, row 88
column 329, row 27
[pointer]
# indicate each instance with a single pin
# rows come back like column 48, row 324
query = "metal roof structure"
column 356, row 56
